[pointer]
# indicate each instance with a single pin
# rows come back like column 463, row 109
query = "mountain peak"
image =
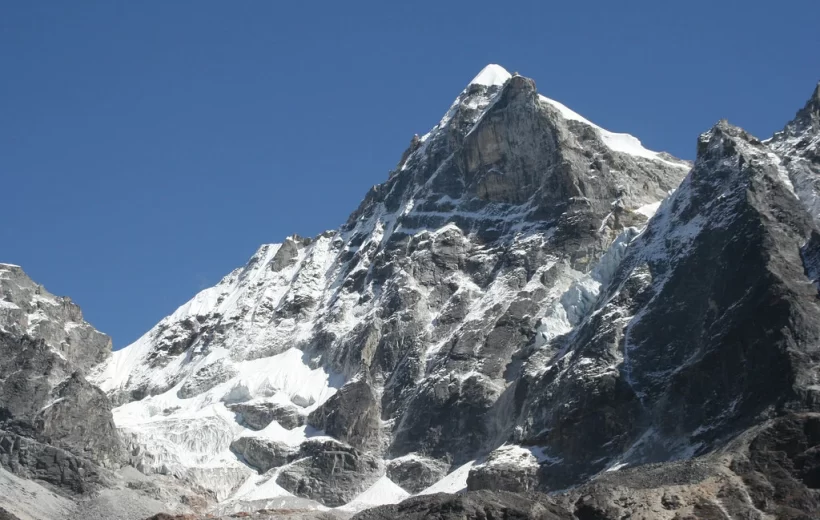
column 491, row 75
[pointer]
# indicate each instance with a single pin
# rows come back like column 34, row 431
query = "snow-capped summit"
column 388, row 338
column 491, row 75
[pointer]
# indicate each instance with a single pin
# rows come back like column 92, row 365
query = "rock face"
column 330, row 472
column 415, row 473
column 525, row 306
column 258, row 415
column 470, row 506
column 350, row 415
column 27, row 309
column 710, row 305
column 263, row 454
column 509, row 468
column 36, row 460
column 54, row 425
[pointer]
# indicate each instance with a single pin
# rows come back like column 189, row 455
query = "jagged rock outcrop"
column 415, row 473
column 709, row 325
column 54, row 425
column 258, row 415
column 351, row 415
column 27, row 309
column 263, row 454
column 330, row 472
column 470, row 506
column 509, row 468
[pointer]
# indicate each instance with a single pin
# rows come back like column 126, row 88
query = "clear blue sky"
column 148, row 148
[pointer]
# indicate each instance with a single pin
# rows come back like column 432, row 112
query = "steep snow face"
column 399, row 332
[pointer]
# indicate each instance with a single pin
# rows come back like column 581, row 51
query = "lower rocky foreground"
column 771, row 471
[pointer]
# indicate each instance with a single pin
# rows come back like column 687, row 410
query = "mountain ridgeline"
column 528, row 304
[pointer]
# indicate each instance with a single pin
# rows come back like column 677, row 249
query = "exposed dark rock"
column 79, row 421
column 5, row 515
column 782, row 467
column 80, row 344
column 350, row 415
column 762, row 474
column 508, row 470
column 415, row 473
column 56, row 426
column 205, row 378
column 446, row 417
column 41, row 398
column 258, row 415
column 711, row 305
column 798, row 146
column 474, row 505
column 287, row 253
column 34, row 460
column 330, row 472
column 263, row 454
